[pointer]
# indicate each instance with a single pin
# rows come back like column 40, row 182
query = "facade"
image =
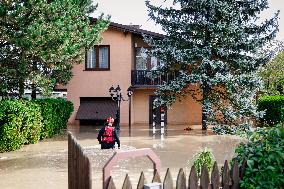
column 118, row 60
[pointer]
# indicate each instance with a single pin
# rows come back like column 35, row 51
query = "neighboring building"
column 119, row 61
column 54, row 94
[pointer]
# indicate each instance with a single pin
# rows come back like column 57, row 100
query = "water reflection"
column 158, row 132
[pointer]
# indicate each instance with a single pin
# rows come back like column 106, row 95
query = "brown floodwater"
column 44, row 165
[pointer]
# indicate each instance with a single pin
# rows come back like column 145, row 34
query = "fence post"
column 215, row 177
column 226, row 176
column 156, row 177
column 141, row 181
column 79, row 166
column 181, row 180
column 235, row 176
column 127, row 183
column 193, row 179
column 168, row 180
column 204, row 178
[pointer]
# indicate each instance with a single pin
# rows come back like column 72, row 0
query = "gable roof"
column 132, row 29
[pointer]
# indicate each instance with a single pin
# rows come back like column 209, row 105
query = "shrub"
column 274, row 109
column 20, row 123
column 55, row 113
column 32, row 122
column 264, row 156
column 204, row 157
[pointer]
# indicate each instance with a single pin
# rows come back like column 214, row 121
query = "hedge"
column 20, row 123
column 274, row 109
column 25, row 122
column 55, row 113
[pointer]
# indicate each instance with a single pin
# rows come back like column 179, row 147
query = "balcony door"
column 145, row 62
column 144, row 65
column 156, row 114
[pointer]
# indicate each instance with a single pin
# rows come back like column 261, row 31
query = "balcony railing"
column 145, row 78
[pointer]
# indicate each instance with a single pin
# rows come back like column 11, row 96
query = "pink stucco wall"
column 141, row 105
column 188, row 111
column 97, row 83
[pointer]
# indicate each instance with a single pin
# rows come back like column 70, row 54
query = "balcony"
column 143, row 79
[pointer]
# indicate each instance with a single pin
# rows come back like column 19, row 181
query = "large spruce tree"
column 212, row 44
column 41, row 40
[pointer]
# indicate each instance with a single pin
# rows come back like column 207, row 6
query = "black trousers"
column 107, row 145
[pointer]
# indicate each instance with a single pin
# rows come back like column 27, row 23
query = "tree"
column 41, row 41
column 273, row 72
column 212, row 44
column 13, row 70
column 273, row 75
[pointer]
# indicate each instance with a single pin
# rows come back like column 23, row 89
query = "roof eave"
column 127, row 28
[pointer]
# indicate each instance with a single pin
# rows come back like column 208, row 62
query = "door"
column 157, row 114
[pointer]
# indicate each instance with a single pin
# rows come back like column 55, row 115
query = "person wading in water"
column 108, row 135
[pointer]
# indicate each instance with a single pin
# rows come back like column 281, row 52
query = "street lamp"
column 116, row 95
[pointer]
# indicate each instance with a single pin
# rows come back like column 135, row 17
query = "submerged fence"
column 79, row 166
column 228, row 179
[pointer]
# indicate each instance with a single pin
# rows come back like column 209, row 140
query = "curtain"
column 91, row 58
column 103, row 57
column 141, row 59
column 154, row 63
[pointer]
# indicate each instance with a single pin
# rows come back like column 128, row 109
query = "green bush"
column 55, row 113
column 274, row 109
column 20, row 123
column 204, row 157
column 264, row 156
column 25, row 122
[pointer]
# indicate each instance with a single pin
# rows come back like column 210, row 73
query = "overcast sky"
column 135, row 12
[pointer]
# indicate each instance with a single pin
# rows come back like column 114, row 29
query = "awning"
column 97, row 109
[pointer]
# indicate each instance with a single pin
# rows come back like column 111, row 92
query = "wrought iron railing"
column 146, row 78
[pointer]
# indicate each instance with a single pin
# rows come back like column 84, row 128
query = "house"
column 118, row 60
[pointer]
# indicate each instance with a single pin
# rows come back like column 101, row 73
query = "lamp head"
column 129, row 91
column 118, row 88
column 111, row 89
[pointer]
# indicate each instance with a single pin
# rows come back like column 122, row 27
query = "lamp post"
column 116, row 95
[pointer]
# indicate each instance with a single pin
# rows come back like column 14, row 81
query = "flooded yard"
column 44, row 165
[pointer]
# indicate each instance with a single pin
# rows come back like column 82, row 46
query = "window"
column 141, row 59
column 97, row 58
column 145, row 62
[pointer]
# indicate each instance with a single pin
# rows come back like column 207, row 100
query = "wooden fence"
column 228, row 179
column 79, row 166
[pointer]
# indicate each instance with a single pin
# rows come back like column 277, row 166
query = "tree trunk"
column 204, row 118
column 33, row 94
column 33, row 87
column 21, row 88
column 205, row 90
